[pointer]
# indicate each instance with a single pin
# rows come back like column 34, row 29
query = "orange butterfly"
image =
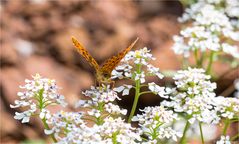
column 103, row 73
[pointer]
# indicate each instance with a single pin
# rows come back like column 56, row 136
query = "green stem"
column 155, row 131
column 154, row 134
column 114, row 138
column 46, row 126
column 227, row 123
column 100, row 107
column 137, row 94
column 183, row 139
column 184, row 63
column 196, row 58
column 201, row 60
column 146, row 92
column 201, row 133
column 209, row 66
column 99, row 120
column 42, row 106
column 144, row 85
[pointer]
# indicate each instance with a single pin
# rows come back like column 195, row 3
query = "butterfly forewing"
column 111, row 63
column 85, row 54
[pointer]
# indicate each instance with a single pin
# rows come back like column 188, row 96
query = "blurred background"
column 36, row 38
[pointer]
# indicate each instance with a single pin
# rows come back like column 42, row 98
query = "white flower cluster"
column 39, row 93
column 82, row 135
column 158, row 90
column 232, row 8
column 132, row 67
column 123, row 132
column 98, row 95
column 224, row 140
column 155, row 121
column 211, row 30
column 64, row 120
column 114, row 109
column 71, row 127
column 228, row 7
column 139, row 58
column 194, row 95
column 100, row 103
column 227, row 107
column 68, row 127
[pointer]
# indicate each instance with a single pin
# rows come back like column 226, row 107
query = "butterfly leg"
column 112, row 84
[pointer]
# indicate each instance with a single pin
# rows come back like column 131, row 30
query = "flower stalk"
column 46, row 126
column 209, row 66
column 197, row 61
column 137, row 94
column 226, row 125
column 201, row 132
column 183, row 139
column 42, row 106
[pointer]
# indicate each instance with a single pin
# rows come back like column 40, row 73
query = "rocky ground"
column 36, row 38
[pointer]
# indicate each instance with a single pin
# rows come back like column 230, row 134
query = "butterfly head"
column 103, row 77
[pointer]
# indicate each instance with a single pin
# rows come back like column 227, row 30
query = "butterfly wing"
column 85, row 53
column 111, row 63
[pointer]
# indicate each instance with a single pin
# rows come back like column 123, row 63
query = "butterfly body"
column 103, row 73
column 103, row 78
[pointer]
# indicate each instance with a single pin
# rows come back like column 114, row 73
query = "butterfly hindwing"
column 85, row 53
column 111, row 63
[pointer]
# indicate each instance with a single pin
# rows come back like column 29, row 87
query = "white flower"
column 224, row 140
column 194, row 96
column 210, row 30
column 121, row 71
column 125, row 89
column 180, row 47
column 210, row 116
column 157, row 119
column 158, row 90
column 82, row 135
column 20, row 103
column 139, row 56
column 132, row 62
column 232, row 50
column 154, row 71
column 124, row 132
column 227, row 107
column 229, row 7
column 117, row 74
column 101, row 94
column 232, row 8
column 140, row 76
column 169, row 133
column 83, row 103
column 112, row 128
column 39, row 92
column 114, row 109
column 62, row 122
column 94, row 113
column 45, row 114
column 24, row 116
